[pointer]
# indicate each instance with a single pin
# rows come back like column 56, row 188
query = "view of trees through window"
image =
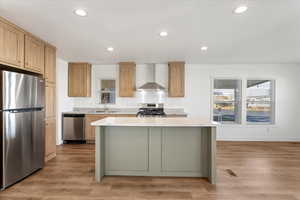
column 259, row 101
column 227, row 107
column 227, row 100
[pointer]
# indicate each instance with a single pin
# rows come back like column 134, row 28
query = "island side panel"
column 99, row 168
column 149, row 151
column 126, row 150
column 205, row 158
column 212, row 150
column 181, row 151
column 155, row 146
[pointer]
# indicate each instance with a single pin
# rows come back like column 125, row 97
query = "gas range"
column 151, row 110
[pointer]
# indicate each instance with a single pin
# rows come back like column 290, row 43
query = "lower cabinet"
column 50, row 139
column 90, row 130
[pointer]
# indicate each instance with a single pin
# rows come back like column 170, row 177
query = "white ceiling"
column 269, row 32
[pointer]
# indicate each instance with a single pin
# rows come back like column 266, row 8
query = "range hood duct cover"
column 152, row 85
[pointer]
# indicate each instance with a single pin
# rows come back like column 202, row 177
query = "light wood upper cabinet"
column 176, row 79
column 50, row 139
column 50, row 64
column 34, row 54
column 79, row 80
column 127, row 79
column 50, row 111
column 11, row 45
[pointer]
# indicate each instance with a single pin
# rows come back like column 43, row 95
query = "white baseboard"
column 260, row 139
column 60, row 142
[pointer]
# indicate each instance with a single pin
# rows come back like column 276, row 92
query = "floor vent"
column 231, row 173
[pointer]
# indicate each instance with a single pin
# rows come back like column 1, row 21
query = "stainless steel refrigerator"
column 22, row 126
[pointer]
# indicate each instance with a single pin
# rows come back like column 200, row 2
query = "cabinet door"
column 90, row 130
column 79, row 80
column 126, row 79
column 50, row 101
column 50, row 139
column 34, row 54
column 11, row 46
column 50, row 64
column 176, row 79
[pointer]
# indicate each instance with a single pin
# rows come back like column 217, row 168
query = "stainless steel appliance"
column 73, row 127
column 22, row 126
column 152, row 85
column 151, row 110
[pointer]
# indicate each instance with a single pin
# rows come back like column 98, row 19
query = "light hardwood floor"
column 246, row 171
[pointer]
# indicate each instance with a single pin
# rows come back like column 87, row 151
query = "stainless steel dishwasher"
column 73, row 127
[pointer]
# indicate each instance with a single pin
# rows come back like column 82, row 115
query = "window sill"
column 248, row 125
column 261, row 124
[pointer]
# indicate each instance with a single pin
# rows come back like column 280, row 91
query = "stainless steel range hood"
column 152, row 85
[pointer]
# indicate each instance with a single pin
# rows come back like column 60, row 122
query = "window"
column 108, row 92
column 260, row 101
column 227, row 101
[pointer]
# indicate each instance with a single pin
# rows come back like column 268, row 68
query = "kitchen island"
column 176, row 147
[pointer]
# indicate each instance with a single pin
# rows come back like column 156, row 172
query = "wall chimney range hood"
column 151, row 85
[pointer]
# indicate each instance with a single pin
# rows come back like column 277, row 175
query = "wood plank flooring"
column 246, row 171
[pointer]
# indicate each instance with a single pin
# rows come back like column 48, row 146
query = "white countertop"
column 101, row 112
column 121, row 111
column 153, row 122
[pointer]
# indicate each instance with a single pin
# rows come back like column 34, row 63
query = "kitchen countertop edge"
column 153, row 122
column 117, row 113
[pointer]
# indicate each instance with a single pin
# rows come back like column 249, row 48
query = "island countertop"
column 153, row 122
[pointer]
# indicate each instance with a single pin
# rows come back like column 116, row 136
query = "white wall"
column 197, row 102
column 198, row 99
column 63, row 102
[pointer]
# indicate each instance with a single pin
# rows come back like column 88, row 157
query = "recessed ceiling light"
column 163, row 33
column 80, row 12
column 240, row 9
column 204, row 48
column 111, row 49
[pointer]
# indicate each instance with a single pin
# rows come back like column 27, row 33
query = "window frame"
column 243, row 112
column 240, row 115
column 272, row 102
column 100, row 91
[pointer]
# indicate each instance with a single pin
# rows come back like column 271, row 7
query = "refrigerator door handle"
column 25, row 110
